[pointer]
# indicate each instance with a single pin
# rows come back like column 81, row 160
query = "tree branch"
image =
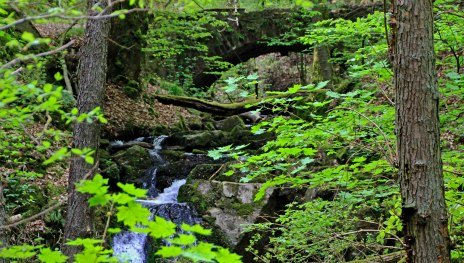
column 33, row 56
column 29, row 219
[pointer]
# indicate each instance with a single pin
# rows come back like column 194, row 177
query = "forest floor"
column 144, row 112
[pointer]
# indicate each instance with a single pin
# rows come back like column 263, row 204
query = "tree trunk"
column 322, row 68
column 91, row 84
column 3, row 232
column 420, row 168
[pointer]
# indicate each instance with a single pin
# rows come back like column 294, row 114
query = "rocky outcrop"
column 225, row 207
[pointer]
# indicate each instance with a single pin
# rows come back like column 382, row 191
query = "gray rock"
column 228, row 206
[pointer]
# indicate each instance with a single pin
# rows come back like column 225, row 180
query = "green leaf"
column 98, row 199
column 46, row 144
column 197, row 229
column 161, row 228
column 58, row 155
column 98, row 185
column 132, row 190
column 169, row 252
column 132, row 214
column 48, row 88
column 48, row 256
column 294, row 89
column 202, row 252
column 332, row 94
column 225, row 256
column 122, row 198
column 183, row 240
column 216, row 154
column 322, row 84
column 18, row 252
column 84, row 242
column 89, row 159
column 58, row 76
column 114, row 230
column 27, row 36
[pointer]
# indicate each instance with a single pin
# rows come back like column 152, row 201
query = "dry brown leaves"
column 125, row 114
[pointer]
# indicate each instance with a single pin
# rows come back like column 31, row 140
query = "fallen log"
column 225, row 109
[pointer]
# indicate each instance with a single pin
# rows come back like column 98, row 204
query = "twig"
column 29, row 219
column 107, row 225
column 62, row 16
column 32, row 56
column 26, row 19
column 386, row 96
column 119, row 45
column 215, row 173
column 64, row 67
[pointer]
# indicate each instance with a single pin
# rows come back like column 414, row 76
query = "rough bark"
column 420, row 168
column 91, row 83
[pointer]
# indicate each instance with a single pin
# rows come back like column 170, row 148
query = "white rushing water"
column 168, row 196
column 157, row 147
column 129, row 246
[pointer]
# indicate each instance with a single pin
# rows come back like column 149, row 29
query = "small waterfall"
column 132, row 247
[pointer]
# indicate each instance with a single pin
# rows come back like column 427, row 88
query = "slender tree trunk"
column 91, row 84
column 3, row 232
column 420, row 168
column 322, row 68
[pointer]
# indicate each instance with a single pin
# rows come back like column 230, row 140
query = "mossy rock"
column 132, row 89
column 172, row 155
column 224, row 206
column 109, row 169
column 230, row 123
column 133, row 162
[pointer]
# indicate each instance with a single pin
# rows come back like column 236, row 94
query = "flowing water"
column 132, row 247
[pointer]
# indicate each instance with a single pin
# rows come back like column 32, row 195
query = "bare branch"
column 33, row 56
column 26, row 19
column 29, row 219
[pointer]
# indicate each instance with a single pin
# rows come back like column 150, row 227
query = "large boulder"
column 225, row 207
column 133, row 163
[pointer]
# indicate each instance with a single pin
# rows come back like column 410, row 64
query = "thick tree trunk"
column 91, row 84
column 420, row 168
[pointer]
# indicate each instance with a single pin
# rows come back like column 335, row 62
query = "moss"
column 133, row 162
column 132, row 89
column 243, row 209
column 172, row 155
column 190, row 193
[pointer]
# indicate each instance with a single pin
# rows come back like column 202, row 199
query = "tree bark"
column 91, row 84
column 420, row 168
